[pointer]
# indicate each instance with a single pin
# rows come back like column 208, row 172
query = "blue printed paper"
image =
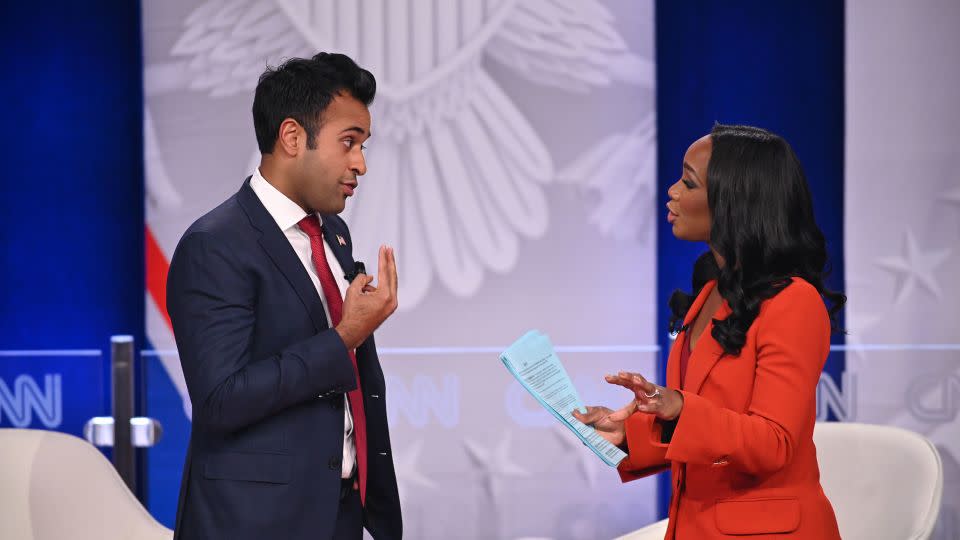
column 534, row 363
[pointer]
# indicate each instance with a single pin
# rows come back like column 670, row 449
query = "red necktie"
column 311, row 226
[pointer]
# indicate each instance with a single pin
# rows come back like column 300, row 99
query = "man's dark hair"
column 302, row 88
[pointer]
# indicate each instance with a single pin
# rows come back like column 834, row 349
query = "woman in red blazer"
column 734, row 422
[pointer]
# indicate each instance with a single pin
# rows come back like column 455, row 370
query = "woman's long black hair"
column 762, row 225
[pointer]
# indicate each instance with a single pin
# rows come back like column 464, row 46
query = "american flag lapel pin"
column 341, row 241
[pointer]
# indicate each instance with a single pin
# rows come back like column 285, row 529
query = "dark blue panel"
column 71, row 215
column 777, row 65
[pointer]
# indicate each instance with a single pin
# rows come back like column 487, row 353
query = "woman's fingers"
column 632, row 381
column 666, row 405
column 621, row 414
column 592, row 416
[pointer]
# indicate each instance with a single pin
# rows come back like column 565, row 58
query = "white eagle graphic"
column 459, row 172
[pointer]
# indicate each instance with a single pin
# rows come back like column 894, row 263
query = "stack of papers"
column 532, row 360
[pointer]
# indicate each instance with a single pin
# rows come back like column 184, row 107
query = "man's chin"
column 331, row 207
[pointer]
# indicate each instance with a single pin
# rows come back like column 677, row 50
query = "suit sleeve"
column 792, row 345
column 210, row 299
column 646, row 455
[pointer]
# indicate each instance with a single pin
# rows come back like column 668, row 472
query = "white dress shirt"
column 287, row 214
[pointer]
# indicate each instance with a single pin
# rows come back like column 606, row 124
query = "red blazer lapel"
column 707, row 351
column 673, row 361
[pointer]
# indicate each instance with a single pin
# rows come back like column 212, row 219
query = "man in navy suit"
column 289, row 436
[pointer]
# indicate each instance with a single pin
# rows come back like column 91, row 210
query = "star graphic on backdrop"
column 494, row 464
column 408, row 473
column 914, row 267
column 586, row 460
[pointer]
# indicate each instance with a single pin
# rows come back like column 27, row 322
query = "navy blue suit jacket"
column 266, row 376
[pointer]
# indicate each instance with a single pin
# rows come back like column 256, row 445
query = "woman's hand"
column 608, row 423
column 649, row 398
column 664, row 403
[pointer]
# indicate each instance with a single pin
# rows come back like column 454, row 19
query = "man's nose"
column 359, row 167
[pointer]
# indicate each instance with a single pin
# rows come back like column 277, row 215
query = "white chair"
column 883, row 482
column 55, row 486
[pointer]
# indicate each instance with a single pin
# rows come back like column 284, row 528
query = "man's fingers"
column 388, row 271
column 396, row 278
column 358, row 284
column 391, row 275
column 382, row 264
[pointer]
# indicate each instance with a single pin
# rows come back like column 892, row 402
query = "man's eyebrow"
column 355, row 129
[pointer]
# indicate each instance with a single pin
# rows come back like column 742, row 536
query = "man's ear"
column 291, row 139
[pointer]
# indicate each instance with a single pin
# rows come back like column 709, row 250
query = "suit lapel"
column 707, row 352
column 280, row 251
column 342, row 251
column 332, row 235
